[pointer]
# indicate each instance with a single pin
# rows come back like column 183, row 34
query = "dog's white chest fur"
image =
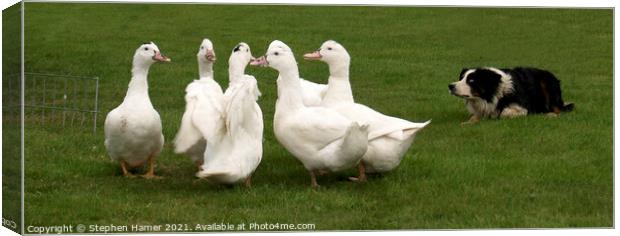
column 482, row 108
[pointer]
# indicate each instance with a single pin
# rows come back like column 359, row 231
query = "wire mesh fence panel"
column 55, row 100
column 10, row 99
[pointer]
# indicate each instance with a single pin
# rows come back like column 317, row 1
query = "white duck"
column 235, row 155
column 204, row 108
column 389, row 137
column 133, row 130
column 319, row 137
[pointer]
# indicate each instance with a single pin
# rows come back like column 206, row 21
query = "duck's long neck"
column 339, row 87
column 339, row 69
column 236, row 70
column 138, row 86
column 289, row 90
column 205, row 69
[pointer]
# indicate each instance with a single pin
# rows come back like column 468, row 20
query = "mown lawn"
column 532, row 172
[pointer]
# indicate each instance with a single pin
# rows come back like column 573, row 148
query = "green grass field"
column 533, row 172
column 11, row 171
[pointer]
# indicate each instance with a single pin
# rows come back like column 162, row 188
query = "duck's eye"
column 247, row 50
column 202, row 47
column 329, row 48
column 146, row 48
column 276, row 53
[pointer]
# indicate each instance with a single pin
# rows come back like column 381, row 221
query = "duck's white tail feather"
column 398, row 130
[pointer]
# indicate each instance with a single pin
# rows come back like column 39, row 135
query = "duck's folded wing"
column 241, row 110
column 112, row 125
column 188, row 134
column 380, row 124
column 319, row 126
column 202, row 118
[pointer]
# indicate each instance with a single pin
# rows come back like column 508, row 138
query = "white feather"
column 241, row 110
column 202, row 119
column 234, row 154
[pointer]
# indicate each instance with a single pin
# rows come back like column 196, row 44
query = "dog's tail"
column 568, row 107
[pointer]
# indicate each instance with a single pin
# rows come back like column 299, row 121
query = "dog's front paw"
column 466, row 123
column 552, row 115
column 471, row 121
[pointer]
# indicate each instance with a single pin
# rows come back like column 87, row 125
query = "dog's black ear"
column 488, row 85
column 463, row 72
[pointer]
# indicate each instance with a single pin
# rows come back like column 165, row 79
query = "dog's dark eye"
column 470, row 81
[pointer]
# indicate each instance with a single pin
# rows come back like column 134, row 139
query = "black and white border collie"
column 508, row 93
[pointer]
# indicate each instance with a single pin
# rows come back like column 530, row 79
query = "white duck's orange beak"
column 210, row 56
column 261, row 61
column 159, row 57
column 316, row 55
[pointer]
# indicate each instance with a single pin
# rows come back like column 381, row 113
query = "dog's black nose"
column 451, row 87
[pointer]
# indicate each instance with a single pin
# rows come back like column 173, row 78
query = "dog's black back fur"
column 534, row 89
